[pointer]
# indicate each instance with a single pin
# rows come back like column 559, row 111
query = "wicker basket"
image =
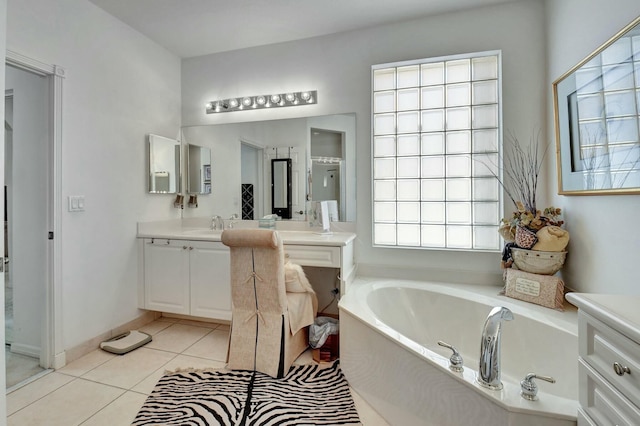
column 538, row 262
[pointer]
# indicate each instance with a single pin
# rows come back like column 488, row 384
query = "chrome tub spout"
column 489, row 368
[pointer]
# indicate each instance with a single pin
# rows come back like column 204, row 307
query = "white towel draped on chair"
column 301, row 299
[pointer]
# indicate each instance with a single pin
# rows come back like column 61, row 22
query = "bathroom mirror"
column 242, row 153
column 597, row 106
column 164, row 165
column 281, row 187
column 198, row 169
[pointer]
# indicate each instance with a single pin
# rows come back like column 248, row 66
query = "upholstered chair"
column 262, row 337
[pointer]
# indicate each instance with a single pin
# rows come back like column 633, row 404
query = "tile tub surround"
column 101, row 388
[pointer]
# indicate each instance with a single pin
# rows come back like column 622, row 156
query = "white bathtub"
column 389, row 354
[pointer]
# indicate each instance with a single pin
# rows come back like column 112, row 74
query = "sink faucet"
column 232, row 220
column 217, row 223
column 489, row 368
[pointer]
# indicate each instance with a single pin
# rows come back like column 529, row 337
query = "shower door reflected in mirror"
column 164, row 165
column 327, row 152
column 281, row 187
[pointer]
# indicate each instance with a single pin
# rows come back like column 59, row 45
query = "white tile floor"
column 106, row 389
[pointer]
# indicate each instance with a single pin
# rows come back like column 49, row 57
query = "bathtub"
column 389, row 354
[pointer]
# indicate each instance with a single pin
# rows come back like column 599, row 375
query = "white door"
column 298, row 183
column 48, row 157
column 27, row 174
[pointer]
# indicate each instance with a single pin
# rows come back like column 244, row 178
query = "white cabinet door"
column 166, row 275
column 210, row 280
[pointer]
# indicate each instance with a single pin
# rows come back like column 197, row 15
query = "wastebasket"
column 324, row 339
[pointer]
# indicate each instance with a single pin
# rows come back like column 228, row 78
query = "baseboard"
column 91, row 345
column 59, row 360
column 28, row 350
column 192, row 318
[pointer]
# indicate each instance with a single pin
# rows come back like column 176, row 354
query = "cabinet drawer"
column 313, row 255
column 603, row 403
column 602, row 347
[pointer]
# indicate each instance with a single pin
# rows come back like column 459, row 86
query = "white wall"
column 27, row 199
column 119, row 86
column 605, row 241
column 339, row 67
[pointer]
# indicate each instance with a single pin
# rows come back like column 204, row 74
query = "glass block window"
column 436, row 145
column 606, row 106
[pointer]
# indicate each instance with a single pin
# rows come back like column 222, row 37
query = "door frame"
column 259, row 190
column 53, row 354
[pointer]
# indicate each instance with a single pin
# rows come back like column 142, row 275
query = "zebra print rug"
column 307, row 395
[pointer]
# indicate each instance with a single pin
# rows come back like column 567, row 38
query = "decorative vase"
column 525, row 238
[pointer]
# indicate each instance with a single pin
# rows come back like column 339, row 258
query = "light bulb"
column 260, row 100
column 275, row 98
column 305, row 96
column 247, row 101
column 233, row 103
column 209, row 105
column 290, row 97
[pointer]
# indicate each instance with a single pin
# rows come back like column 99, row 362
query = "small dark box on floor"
column 329, row 351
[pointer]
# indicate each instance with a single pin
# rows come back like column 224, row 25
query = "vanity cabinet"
column 609, row 359
column 187, row 277
column 187, row 272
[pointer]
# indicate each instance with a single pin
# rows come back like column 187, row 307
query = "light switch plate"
column 76, row 203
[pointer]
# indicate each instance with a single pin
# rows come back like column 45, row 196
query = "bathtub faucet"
column 489, row 369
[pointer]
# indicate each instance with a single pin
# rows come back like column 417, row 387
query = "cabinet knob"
column 190, row 248
column 620, row 369
column 184, row 247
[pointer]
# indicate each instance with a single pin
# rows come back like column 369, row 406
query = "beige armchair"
column 262, row 311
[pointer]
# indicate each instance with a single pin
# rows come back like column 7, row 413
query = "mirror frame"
column 283, row 212
column 570, row 182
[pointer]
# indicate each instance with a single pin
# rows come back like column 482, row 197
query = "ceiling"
column 200, row 27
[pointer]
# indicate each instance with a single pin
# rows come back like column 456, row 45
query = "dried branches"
column 521, row 166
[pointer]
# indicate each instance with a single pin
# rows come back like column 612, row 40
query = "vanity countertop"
column 619, row 311
column 170, row 230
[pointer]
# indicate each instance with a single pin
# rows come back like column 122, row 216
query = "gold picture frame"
column 597, row 119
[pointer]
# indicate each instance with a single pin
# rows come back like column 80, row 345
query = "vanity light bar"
column 263, row 101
